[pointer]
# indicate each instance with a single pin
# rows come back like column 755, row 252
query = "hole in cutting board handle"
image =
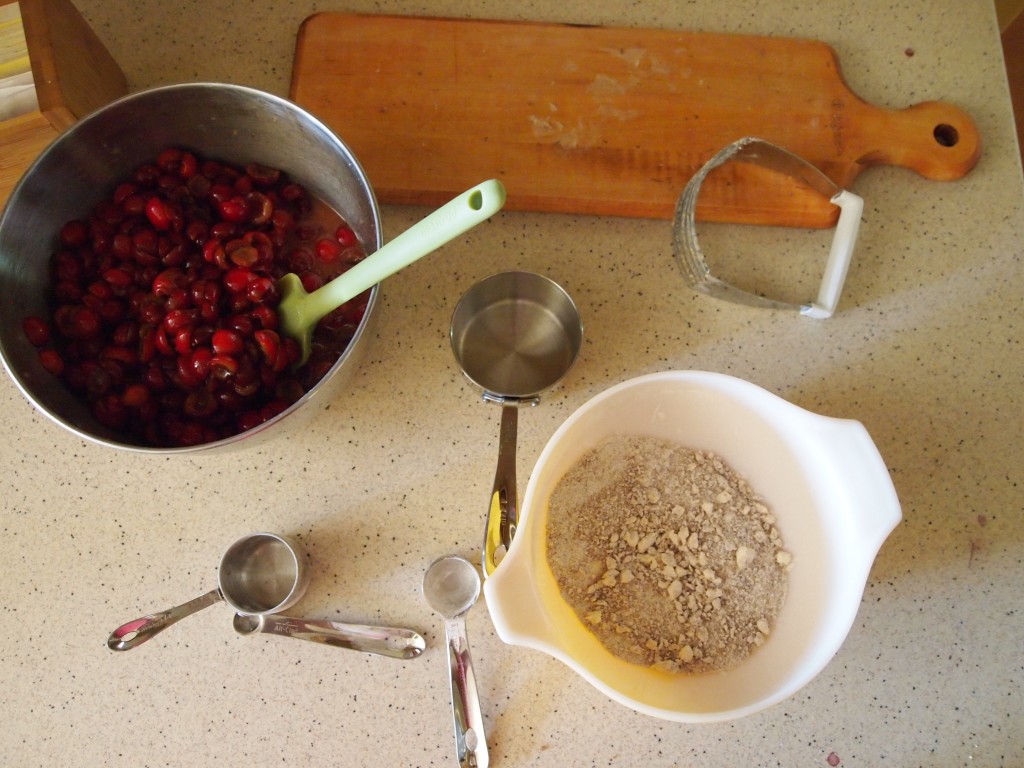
column 946, row 135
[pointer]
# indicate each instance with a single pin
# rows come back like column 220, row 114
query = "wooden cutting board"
column 607, row 121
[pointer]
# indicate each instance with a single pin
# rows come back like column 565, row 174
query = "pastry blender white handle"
column 851, row 206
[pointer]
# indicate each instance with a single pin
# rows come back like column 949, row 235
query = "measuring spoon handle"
column 470, row 739
column 396, row 642
column 136, row 632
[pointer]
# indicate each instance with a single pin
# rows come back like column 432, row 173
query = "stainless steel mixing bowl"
column 225, row 122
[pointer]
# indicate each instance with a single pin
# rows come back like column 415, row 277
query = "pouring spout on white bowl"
column 872, row 507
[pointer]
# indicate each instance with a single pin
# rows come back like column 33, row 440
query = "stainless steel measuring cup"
column 514, row 334
column 260, row 574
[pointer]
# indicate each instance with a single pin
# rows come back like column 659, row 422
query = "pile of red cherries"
column 164, row 299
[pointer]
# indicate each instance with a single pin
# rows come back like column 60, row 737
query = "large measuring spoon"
column 514, row 334
column 396, row 642
column 261, row 573
column 451, row 586
column 299, row 312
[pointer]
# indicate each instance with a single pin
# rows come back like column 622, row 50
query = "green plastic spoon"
column 299, row 312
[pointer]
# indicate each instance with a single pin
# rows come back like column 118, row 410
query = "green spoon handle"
column 446, row 223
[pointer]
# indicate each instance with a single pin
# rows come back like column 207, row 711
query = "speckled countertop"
column 925, row 351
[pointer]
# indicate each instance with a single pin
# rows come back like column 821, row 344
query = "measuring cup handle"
column 502, row 516
column 470, row 738
column 136, row 632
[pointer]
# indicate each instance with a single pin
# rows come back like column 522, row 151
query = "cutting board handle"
column 933, row 138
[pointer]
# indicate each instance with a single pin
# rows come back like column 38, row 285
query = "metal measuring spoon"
column 259, row 573
column 514, row 334
column 451, row 586
column 395, row 642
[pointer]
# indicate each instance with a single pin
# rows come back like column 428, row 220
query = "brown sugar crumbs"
column 666, row 555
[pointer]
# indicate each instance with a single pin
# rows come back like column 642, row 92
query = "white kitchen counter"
column 925, row 350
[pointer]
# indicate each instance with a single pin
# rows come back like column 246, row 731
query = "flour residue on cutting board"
column 609, row 100
column 551, row 130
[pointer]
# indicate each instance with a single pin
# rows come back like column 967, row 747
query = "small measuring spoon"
column 299, row 312
column 451, row 586
column 260, row 573
column 514, row 334
column 395, row 642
